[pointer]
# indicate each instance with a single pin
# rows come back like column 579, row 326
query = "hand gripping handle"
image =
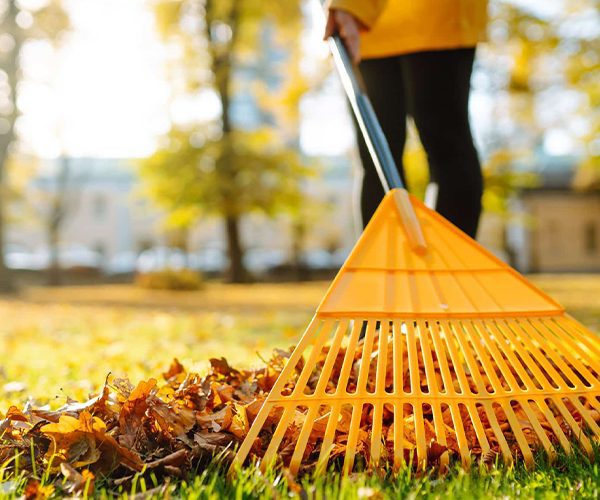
column 376, row 143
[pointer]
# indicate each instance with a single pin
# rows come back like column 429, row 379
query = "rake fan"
column 459, row 352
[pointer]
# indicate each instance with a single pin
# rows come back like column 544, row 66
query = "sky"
column 104, row 92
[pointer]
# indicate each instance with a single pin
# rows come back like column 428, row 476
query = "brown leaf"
column 174, row 370
column 71, row 441
column 176, row 459
column 218, row 421
column 222, row 367
column 75, row 482
column 435, row 451
column 173, row 419
column 35, row 491
column 212, row 442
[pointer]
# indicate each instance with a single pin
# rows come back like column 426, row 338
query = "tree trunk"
column 11, row 68
column 56, row 218
column 237, row 271
column 222, row 61
column 54, row 270
column 6, row 278
column 300, row 270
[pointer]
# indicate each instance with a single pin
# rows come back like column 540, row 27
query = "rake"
column 425, row 341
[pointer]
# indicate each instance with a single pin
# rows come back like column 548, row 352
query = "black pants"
column 432, row 87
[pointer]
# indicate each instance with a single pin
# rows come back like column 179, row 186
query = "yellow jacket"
column 403, row 26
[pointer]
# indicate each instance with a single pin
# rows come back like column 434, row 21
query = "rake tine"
column 519, row 435
column 427, row 358
column 440, row 433
column 420, row 436
column 327, row 444
column 505, row 334
column 398, row 434
column 512, row 328
column 363, row 373
column 484, row 330
column 456, row 361
column 478, row 426
column 537, row 427
column 382, row 354
column 282, row 427
column 576, row 428
column 348, row 359
column 306, row 339
column 586, row 416
column 255, row 429
column 360, row 389
column 491, row 415
column 476, row 339
column 342, row 328
column 303, row 439
column 398, row 382
column 542, row 357
column 469, row 358
column 577, row 364
column 352, row 438
column 442, row 360
column 461, row 437
column 556, row 428
column 376, row 433
column 413, row 362
column 570, row 327
column 312, row 360
column 379, row 390
column 546, row 337
column 594, row 402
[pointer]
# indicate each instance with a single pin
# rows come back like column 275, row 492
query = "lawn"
column 63, row 342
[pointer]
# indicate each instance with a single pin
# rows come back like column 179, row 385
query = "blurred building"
column 106, row 222
column 100, row 217
column 558, row 228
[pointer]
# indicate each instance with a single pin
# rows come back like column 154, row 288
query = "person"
column 416, row 58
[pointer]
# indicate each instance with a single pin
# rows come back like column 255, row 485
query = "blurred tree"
column 59, row 198
column 20, row 21
column 189, row 180
column 220, row 166
column 285, row 105
column 582, row 71
column 549, row 86
column 9, row 64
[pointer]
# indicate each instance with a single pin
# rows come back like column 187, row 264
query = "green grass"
column 569, row 477
column 59, row 342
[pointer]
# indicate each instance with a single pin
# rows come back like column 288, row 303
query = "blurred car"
column 121, row 263
column 317, row 259
column 20, row 259
column 159, row 258
column 260, row 260
column 79, row 257
column 69, row 257
column 209, row 260
column 339, row 257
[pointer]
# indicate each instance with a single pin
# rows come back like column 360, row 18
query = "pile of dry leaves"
column 171, row 427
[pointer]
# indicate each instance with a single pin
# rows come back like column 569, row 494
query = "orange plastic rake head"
column 461, row 356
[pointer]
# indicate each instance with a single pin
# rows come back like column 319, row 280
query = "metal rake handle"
column 377, row 143
column 365, row 116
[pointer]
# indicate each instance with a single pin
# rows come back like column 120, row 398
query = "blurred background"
column 165, row 142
